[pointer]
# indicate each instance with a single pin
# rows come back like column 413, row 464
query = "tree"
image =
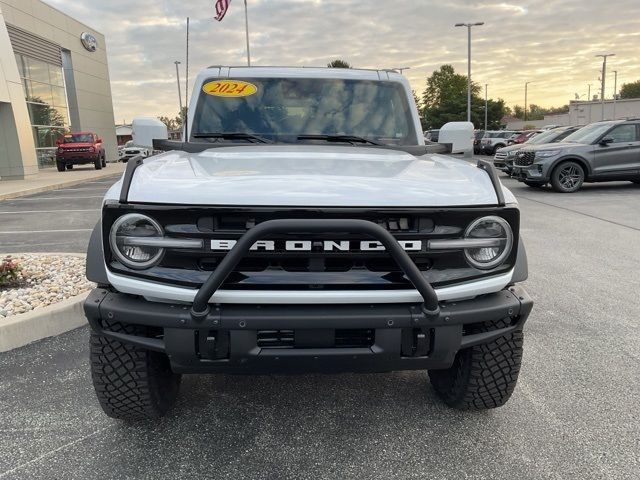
column 338, row 63
column 630, row 90
column 536, row 112
column 169, row 122
column 445, row 100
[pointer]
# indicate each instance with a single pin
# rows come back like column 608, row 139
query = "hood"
column 512, row 148
column 309, row 176
column 76, row 144
column 551, row 146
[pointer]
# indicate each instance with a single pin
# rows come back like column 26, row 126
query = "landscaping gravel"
column 46, row 279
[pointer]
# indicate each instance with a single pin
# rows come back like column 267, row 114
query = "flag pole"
column 186, row 91
column 246, row 25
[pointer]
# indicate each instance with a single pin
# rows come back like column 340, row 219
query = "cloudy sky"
column 551, row 43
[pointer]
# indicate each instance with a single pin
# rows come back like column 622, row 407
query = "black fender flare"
column 95, row 269
column 521, row 269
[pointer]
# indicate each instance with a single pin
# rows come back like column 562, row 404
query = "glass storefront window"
column 44, row 91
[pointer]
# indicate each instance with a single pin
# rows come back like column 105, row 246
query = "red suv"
column 78, row 149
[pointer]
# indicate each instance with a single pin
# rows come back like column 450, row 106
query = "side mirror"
column 58, row 142
column 606, row 141
column 99, row 140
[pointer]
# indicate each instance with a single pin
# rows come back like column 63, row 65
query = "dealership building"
column 54, row 78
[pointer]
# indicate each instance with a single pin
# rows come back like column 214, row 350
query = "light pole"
column 469, row 25
column 485, row 106
column 615, row 92
column 604, row 73
column 179, row 92
column 526, row 85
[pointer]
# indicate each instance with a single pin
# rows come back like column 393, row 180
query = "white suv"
column 493, row 140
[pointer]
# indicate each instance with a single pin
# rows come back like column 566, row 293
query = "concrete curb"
column 55, row 186
column 19, row 330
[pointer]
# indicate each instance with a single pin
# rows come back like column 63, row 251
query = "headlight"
column 547, row 153
column 125, row 231
column 489, row 228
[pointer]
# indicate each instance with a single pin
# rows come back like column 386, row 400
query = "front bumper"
column 78, row 160
column 229, row 339
column 532, row 173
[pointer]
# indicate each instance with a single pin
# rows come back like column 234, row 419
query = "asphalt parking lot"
column 55, row 221
column 574, row 413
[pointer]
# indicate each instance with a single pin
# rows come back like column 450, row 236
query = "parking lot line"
column 14, row 232
column 50, row 211
column 52, row 198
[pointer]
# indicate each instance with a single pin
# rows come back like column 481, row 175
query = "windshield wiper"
column 339, row 138
column 233, row 136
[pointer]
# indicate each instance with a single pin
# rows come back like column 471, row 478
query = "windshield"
column 78, row 137
column 589, row 133
column 544, row 137
column 282, row 109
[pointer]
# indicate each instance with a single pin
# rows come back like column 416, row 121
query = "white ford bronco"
column 304, row 226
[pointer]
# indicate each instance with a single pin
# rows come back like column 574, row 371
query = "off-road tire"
column 97, row 163
column 131, row 383
column 560, row 180
column 104, row 161
column 483, row 376
column 60, row 166
column 533, row 184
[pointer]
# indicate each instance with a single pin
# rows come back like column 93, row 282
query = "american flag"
column 221, row 9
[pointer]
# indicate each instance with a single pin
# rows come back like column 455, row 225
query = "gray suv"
column 599, row 152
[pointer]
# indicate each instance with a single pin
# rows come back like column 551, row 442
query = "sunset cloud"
column 550, row 43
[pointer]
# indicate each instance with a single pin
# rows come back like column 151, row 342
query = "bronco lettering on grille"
column 324, row 245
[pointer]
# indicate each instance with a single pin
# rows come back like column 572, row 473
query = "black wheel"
column 495, row 149
column 483, row 376
column 533, row 184
column 98, row 164
column 70, row 167
column 567, row 177
column 104, row 161
column 60, row 166
column 131, row 383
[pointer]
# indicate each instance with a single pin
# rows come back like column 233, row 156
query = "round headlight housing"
column 492, row 228
column 127, row 241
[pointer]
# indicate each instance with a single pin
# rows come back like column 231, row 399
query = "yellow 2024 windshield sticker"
column 229, row 88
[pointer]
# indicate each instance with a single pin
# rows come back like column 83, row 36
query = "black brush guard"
column 200, row 308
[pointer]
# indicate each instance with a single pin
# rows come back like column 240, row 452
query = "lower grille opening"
column 342, row 338
column 275, row 339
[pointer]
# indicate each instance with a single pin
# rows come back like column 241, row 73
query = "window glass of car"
column 281, row 109
column 75, row 138
column 623, row 133
column 588, row 133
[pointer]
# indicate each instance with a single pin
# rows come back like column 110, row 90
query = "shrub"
column 9, row 272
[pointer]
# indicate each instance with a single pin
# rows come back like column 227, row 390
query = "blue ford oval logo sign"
column 89, row 42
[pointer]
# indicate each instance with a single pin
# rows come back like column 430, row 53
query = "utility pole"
column 615, row 92
column 246, row 26
column 469, row 25
column 485, row 106
column 526, row 85
column 590, row 100
column 179, row 92
column 604, row 73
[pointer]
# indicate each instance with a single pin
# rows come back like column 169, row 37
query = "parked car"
column 477, row 138
column 503, row 159
column 80, row 148
column 521, row 137
column 432, row 135
column 493, row 140
column 131, row 150
column 599, row 152
column 271, row 245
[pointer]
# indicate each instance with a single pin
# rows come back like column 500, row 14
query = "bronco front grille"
column 345, row 265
